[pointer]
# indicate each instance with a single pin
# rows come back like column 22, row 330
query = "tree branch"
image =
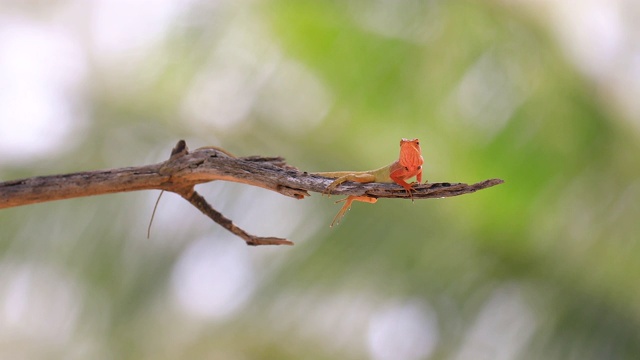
column 186, row 169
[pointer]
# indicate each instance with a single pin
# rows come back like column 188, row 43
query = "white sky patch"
column 294, row 98
column 213, row 279
column 592, row 33
column 601, row 38
column 336, row 321
column 121, row 29
column 224, row 92
column 501, row 330
column 414, row 20
column 358, row 324
column 248, row 74
column 404, row 330
column 222, row 96
column 42, row 70
column 125, row 38
column 38, row 304
column 486, row 97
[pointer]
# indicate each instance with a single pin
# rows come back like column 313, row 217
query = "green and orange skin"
column 408, row 165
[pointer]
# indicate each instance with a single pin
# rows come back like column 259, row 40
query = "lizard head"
column 411, row 154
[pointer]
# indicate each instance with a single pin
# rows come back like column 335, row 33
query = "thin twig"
column 153, row 213
column 201, row 204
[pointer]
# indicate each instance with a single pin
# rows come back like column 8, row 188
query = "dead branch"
column 186, row 169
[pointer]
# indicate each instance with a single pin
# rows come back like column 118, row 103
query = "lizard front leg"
column 347, row 205
column 399, row 179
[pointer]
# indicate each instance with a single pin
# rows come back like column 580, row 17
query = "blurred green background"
column 541, row 94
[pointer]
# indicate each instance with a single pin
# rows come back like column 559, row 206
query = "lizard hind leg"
column 347, row 205
column 355, row 177
column 333, row 185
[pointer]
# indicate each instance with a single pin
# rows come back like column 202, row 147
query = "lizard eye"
column 419, row 167
column 417, row 142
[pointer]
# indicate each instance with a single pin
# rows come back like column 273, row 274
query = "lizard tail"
column 333, row 174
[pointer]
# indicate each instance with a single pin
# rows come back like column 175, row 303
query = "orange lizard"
column 407, row 166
